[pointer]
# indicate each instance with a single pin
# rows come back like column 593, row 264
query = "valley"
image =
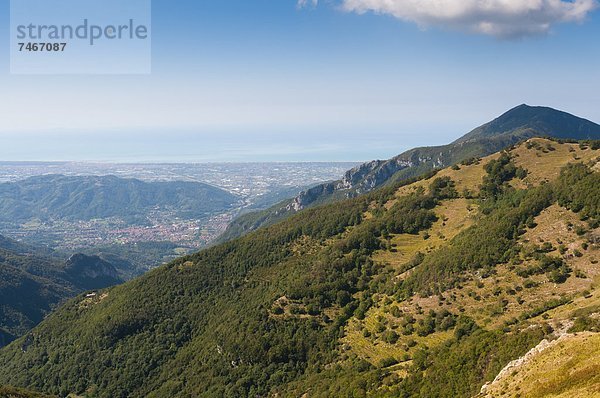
column 171, row 228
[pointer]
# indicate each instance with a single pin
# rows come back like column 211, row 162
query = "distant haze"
column 206, row 147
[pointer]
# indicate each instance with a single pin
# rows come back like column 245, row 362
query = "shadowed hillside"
column 31, row 285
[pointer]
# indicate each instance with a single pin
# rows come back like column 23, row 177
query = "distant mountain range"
column 95, row 197
column 513, row 126
column 32, row 284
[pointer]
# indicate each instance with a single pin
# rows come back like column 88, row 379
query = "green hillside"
column 421, row 289
column 91, row 197
column 11, row 392
column 32, row 285
column 29, row 287
column 24, row 248
column 517, row 124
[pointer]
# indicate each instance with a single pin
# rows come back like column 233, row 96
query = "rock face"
column 522, row 361
column 359, row 180
column 91, row 272
column 517, row 124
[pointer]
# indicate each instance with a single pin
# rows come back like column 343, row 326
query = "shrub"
column 390, row 337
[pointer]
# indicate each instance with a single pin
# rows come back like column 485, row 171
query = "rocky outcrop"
column 371, row 175
column 560, row 335
column 91, row 272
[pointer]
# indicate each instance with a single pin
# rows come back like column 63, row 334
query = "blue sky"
column 237, row 80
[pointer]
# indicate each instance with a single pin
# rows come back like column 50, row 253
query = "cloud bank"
column 499, row 18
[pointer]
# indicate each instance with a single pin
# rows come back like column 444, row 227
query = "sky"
column 288, row 80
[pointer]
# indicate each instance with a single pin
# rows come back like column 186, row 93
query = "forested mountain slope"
column 10, row 392
column 90, row 197
column 517, row 124
column 24, row 248
column 422, row 289
column 31, row 285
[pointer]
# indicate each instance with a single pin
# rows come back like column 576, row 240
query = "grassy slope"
column 568, row 368
column 479, row 298
column 517, row 124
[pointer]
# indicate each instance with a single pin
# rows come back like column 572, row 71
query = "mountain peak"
column 525, row 121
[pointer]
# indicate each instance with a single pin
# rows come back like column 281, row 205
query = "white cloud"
column 499, row 18
column 305, row 3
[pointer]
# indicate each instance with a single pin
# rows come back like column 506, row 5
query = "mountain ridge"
column 515, row 125
column 77, row 198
